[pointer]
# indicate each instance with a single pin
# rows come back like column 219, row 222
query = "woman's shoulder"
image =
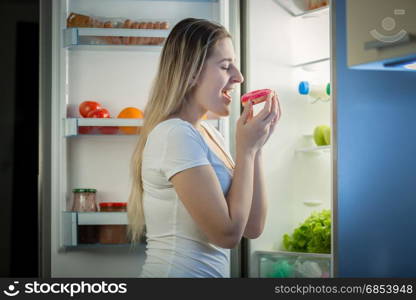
column 174, row 130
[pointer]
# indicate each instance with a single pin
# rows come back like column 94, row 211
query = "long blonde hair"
column 186, row 49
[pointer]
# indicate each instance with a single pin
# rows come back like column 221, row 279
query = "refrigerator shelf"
column 96, row 245
column 314, row 65
column 298, row 8
column 80, row 36
column 99, row 218
column 72, row 125
column 312, row 202
column 136, row 48
column 284, row 264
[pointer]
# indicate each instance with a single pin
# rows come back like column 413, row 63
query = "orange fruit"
column 130, row 113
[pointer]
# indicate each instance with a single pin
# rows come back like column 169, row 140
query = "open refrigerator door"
column 104, row 52
column 289, row 51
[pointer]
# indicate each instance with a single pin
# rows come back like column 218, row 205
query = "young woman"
column 195, row 202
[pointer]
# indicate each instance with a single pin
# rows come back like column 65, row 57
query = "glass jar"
column 84, row 200
column 87, row 234
column 113, row 234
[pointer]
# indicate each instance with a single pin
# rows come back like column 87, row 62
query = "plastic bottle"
column 317, row 91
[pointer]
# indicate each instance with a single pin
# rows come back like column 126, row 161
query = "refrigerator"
column 375, row 176
column 279, row 44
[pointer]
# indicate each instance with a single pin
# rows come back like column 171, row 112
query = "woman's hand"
column 276, row 103
column 253, row 132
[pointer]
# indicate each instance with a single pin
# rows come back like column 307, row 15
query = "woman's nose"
column 238, row 77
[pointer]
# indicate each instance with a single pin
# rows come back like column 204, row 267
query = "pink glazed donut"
column 256, row 96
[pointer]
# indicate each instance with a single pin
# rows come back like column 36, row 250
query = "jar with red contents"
column 113, row 234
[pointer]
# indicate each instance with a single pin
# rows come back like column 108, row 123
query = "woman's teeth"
column 226, row 94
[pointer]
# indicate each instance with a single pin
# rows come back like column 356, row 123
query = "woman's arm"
column 258, row 211
column 224, row 219
column 201, row 194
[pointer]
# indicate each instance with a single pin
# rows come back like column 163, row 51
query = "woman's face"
column 218, row 78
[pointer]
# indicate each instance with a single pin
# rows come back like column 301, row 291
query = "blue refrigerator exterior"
column 376, row 168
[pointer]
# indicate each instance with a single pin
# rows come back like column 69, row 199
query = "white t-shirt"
column 176, row 247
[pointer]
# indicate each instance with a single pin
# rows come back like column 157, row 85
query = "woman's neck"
column 192, row 116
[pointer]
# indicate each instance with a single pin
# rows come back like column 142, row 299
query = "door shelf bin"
column 74, row 37
column 316, row 149
column 73, row 220
column 281, row 264
column 83, row 126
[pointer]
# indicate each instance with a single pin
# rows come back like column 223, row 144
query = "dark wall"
column 19, row 137
column 376, row 167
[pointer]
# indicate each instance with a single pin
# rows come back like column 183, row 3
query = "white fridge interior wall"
column 277, row 42
column 117, row 77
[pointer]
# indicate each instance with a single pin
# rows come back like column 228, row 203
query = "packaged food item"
column 154, row 40
column 113, row 234
column 78, row 20
column 141, row 40
column 256, row 96
column 84, row 200
column 125, row 39
column 133, row 39
column 113, row 206
column 113, row 40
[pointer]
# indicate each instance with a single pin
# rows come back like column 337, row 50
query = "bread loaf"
column 77, row 20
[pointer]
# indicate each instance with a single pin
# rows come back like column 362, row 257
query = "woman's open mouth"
column 227, row 95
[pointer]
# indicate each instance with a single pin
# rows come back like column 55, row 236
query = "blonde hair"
column 186, row 49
